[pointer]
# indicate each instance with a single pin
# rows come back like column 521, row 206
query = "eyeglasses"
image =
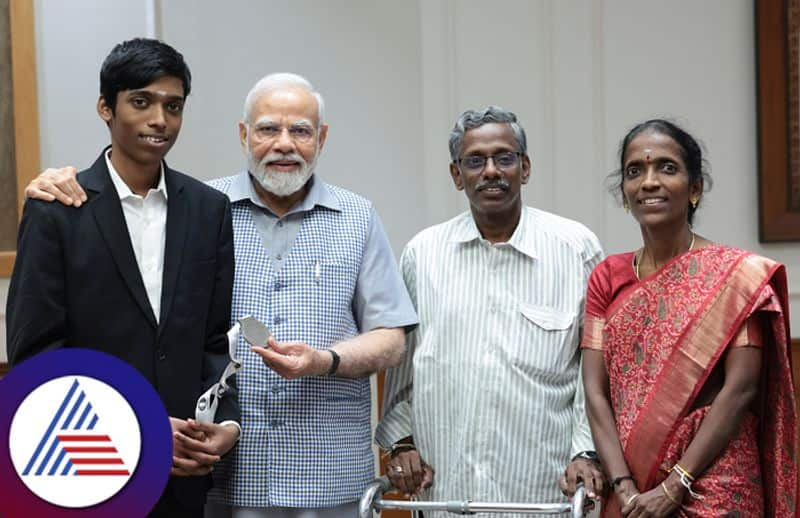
column 476, row 163
column 301, row 133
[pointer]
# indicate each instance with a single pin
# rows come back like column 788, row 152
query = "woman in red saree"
column 685, row 348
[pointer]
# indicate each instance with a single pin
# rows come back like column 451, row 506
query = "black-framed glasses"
column 504, row 161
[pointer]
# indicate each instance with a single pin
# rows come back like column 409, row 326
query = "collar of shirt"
column 242, row 189
column 521, row 240
column 122, row 188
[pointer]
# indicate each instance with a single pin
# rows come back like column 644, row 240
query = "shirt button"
column 161, row 355
column 276, row 388
column 277, row 320
column 280, row 223
column 278, row 286
column 279, row 257
column 275, row 423
column 493, row 309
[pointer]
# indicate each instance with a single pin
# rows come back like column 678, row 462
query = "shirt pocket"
column 331, row 283
column 332, row 275
column 548, row 342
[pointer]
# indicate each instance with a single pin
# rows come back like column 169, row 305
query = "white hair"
column 282, row 80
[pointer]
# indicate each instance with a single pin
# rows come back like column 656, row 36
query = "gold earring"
column 626, row 207
column 694, row 201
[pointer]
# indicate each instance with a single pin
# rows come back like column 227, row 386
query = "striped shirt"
column 490, row 387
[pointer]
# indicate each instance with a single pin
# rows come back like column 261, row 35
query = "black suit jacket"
column 76, row 283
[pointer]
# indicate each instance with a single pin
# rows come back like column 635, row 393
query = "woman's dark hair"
column 691, row 152
column 138, row 62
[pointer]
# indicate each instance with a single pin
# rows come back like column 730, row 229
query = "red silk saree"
column 662, row 337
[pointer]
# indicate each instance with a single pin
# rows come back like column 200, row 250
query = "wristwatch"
column 400, row 447
column 590, row 455
column 334, row 363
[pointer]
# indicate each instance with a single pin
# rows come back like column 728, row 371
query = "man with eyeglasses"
column 313, row 262
column 489, row 396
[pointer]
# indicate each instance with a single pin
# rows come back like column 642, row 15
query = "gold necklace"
column 636, row 260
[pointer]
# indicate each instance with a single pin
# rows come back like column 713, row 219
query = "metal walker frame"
column 372, row 499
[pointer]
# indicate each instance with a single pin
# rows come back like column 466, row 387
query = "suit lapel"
column 107, row 211
column 177, row 224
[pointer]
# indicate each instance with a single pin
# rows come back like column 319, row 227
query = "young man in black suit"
column 144, row 271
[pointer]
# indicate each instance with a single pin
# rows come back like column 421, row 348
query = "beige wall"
column 396, row 74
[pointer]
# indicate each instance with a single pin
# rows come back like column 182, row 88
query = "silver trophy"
column 255, row 333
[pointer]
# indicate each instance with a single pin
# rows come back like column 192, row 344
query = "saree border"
column 593, row 333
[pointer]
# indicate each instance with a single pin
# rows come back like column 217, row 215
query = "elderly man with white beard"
column 314, row 263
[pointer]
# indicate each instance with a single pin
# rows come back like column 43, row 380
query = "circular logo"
column 81, row 433
column 91, row 440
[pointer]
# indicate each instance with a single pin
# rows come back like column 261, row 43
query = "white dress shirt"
column 146, row 219
column 491, row 386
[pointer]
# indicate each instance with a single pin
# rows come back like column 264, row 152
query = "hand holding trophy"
column 255, row 333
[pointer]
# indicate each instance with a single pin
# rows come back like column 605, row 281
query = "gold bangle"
column 631, row 499
column 683, row 471
column 686, row 480
column 669, row 495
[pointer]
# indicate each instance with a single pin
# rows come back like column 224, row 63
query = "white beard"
column 280, row 183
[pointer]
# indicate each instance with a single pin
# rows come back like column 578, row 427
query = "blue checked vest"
column 305, row 442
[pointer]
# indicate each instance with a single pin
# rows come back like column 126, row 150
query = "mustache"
column 276, row 157
column 498, row 184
